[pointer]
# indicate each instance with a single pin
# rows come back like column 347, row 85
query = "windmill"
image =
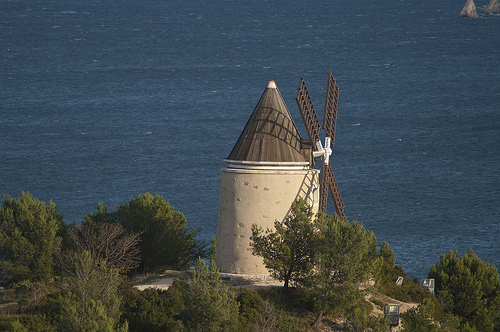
column 269, row 167
column 311, row 122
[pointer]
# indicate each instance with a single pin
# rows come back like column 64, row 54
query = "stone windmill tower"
column 269, row 167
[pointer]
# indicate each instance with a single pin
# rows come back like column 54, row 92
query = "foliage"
column 106, row 241
column 28, row 238
column 287, row 300
column 212, row 250
column 165, row 242
column 27, row 323
column 387, row 254
column 250, row 306
column 209, row 305
column 92, row 303
column 345, row 257
column 153, row 310
column 288, row 323
column 358, row 320
column 85, row 316
column 410, row 291
column 388, row 273
column 269, row 319
column 469, row 288
column 421, row 319
column 346, row 252
column 92, row 279
column 288, row 251
column 379, row 324
column 101, row 215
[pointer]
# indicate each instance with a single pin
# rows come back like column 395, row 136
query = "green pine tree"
column 288, row 250
column 346, row 255
column 92, row 302
column 209, row 305
column 469, row 289
column 165, row 241
column 29, row 238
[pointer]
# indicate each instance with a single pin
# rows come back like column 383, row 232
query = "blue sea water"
column 103, row 100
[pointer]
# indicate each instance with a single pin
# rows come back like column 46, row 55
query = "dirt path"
column 251, row 281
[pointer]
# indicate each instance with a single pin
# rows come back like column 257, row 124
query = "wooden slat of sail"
column 331, row 105
column 334, row 190
column 323, row 187
column 308, row 113
column 270, row 134
column 329, row 125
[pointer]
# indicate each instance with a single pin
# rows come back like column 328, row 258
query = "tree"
column 420, row 319
column 469, row 288
column 153, row 310
column 346, row 255
column 105, row 240
column 92, row 303
column 210, row 306
column 360, row 320
column 165, row 241
column 288, row 250
column 388, row 272
column 28, row 238
column 388, row 254
column 250, row 308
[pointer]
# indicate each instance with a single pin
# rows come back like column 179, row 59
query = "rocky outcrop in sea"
column 493, row 7
column 469, row 10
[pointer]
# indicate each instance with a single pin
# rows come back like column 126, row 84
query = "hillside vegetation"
column 329, row 275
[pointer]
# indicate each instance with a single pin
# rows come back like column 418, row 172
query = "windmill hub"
column 321, row 151
column 328, row 149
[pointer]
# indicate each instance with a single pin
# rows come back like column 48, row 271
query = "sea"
column 101, row 101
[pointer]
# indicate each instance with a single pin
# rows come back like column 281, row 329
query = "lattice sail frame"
column 311, row 122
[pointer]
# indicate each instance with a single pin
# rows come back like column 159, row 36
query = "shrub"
column 410, row 291
column 27, row 323
column 421, row 319
column 152, row 310
column 209, row 305
column 250, row 308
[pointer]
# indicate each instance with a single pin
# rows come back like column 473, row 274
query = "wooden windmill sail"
column 311, row 122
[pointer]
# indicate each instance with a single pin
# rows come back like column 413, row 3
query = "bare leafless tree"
column 108, row 243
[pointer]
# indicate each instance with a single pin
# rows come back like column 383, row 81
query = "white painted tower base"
column 257, row 193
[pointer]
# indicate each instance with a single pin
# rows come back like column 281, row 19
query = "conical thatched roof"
column 270, row 134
